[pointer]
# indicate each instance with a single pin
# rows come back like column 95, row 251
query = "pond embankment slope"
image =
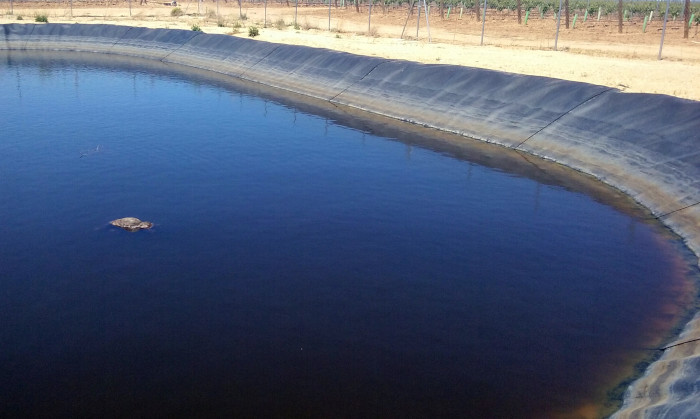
column 645, row 145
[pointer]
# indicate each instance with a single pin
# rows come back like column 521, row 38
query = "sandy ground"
column 592, row 52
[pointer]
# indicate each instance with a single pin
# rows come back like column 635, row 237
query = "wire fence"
column 638, row 27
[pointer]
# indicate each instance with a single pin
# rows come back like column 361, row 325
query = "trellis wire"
column 633, row 10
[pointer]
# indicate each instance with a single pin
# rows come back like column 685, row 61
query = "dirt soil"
column 593, row 51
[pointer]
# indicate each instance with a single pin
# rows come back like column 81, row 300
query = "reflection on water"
column 300, row 264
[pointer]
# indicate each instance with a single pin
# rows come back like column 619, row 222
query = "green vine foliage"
column 607, row 7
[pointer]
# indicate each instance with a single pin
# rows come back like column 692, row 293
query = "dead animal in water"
column 131, row 224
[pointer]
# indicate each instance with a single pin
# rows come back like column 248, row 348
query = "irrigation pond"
column 304, row 260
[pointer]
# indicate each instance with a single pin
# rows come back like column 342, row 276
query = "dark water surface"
column 300, row 265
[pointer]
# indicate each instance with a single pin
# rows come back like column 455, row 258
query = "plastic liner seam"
column 257, row 62
column 675, row 211
column 563, row 115
column 28, row 37
column 678, row 344
column 122, row 37
column 360, row 79
column 196, row 34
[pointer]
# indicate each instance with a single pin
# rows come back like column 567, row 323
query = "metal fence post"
column 663, row 32
column 483, row 23
column 556, row 37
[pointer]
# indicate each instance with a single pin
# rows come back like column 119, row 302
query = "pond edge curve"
column 645, row 145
